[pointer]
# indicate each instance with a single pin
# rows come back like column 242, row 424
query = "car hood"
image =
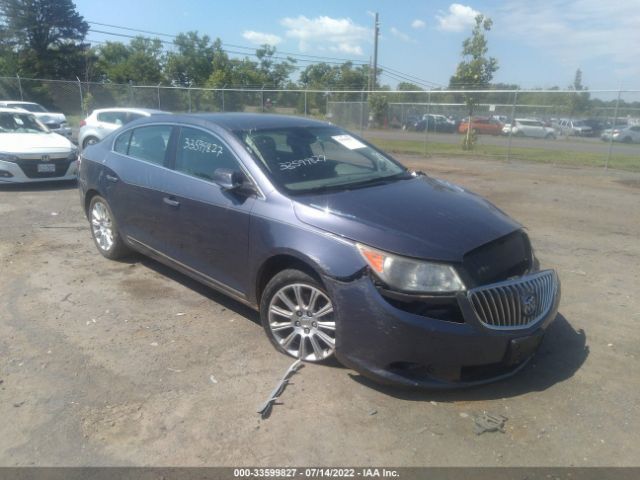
column 422, row 217
column 34, row 142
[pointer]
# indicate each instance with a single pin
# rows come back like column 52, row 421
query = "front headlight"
column 7, row 157
column 409, row 275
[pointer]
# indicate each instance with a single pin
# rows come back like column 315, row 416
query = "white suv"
column 529, row 127
column 103, row 121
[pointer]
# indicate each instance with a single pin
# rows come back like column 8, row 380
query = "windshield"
column 20, row 123
column 30, row 107
column 307, row 159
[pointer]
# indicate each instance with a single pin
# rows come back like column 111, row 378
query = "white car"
column 30, row 152
column 624, row 134
column 529, row 127
column 103, row 121
column 56, row 122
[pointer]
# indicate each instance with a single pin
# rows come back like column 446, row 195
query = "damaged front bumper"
column 447, row 344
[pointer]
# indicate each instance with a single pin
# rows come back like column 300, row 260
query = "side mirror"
column 228, row 179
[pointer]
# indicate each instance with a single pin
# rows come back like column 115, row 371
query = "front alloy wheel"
column 300, row 318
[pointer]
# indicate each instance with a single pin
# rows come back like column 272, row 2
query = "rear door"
column 139, row 180
column 210, row 226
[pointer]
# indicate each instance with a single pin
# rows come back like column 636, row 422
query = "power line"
column 251, row 52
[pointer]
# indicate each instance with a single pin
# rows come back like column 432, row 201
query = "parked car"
column 414, row 123
column 29, row 152
column 439, row 123
column 529, row 127
column 481, row 125
column 628, row 134
column 407, row 279
column 103, row 121
column 577, row 128
column 56, row 122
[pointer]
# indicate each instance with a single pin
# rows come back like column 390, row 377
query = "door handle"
column 171, row 201
column 111, row 178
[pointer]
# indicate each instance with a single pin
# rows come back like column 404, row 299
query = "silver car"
column 103, row 121
column 529, row 127
column 628, row 134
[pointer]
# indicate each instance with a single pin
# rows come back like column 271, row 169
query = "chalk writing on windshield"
column 304, row 162
column 202, row 146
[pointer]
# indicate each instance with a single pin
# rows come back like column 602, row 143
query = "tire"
column 104, row 230
column 550, row 136
column 298, row 316
column 89, row 141
column 626, row 140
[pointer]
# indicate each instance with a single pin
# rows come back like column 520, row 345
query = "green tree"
column 476, row 70
column 140, row 62
column 192, row 62
column 578, row 103
column 46, row 35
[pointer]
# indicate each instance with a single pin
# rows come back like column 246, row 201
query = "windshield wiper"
column 405, row 175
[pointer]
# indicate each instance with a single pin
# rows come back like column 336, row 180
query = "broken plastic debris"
column 154, row 344
column 212, row 378
column 487, row 422
column 265, row 408
column 180, row 314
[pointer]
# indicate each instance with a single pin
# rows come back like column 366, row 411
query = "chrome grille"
column 515, row 303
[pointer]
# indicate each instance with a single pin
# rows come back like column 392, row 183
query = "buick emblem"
column 45, row 158
column 529, row 303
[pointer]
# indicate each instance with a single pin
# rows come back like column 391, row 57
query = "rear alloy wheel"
column 298, row 316
column 104, row 230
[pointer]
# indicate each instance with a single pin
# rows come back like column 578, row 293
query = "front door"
column 210, row 226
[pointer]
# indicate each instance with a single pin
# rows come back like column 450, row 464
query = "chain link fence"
column 551, row 126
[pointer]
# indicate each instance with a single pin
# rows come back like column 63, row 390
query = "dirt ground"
column 129, row 363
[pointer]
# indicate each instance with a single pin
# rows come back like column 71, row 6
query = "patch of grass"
column 622, row 161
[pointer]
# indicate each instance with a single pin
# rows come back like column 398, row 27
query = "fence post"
column 189, row 95
column 305, row 103
column 20, row 87
column 81, row 97
column 158, row 96
column 262, row 98
column 615, row 119
column 513, row 120
column 426, row 127
column 223, row 87
column 362, row 112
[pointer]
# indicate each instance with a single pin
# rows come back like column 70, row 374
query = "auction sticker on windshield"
column 348, row 141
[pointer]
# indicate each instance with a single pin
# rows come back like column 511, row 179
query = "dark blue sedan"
column 405, row 278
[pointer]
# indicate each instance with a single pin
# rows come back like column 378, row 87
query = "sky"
column 537, row 44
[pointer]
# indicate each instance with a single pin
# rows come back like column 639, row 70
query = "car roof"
column 239, row 121
column 127, row 109
column 527, row 120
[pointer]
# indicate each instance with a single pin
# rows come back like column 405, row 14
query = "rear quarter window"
column 150, row 143
column 121, row 145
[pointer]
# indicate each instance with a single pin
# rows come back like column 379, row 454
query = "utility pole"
column 376, row 33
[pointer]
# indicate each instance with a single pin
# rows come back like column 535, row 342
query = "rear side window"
column 200, row 153
column 117, row 118
column 121, row 144
column 150, row 143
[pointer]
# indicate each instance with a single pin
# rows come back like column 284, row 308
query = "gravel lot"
column 129, row 363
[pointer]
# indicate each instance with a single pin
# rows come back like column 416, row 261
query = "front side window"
column 200, row 153
column 150, row 143
column 307, row 159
